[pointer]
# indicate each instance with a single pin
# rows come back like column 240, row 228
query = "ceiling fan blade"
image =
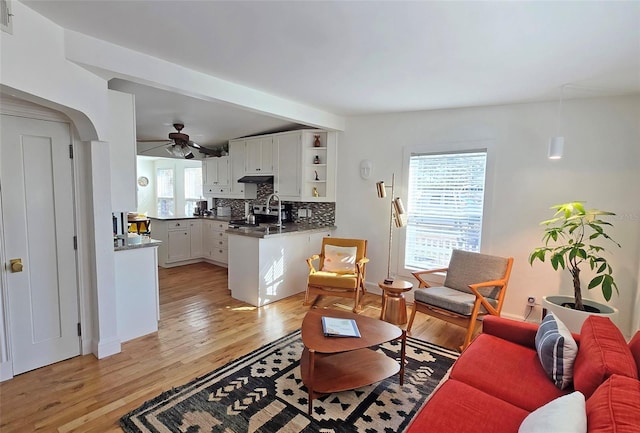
column 164, row 140
column 194, row 145
column 152, row 148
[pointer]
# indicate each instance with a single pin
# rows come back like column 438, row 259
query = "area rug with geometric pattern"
column 263, row 392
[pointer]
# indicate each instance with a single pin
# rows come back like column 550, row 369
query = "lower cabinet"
column 187, row 241
column 216, row 241
column 196, row 243
column 178, row 245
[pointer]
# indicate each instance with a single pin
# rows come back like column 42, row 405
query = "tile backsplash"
column 321, row 213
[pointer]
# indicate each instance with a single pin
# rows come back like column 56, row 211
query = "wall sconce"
column 556, row 144
column 397, row 217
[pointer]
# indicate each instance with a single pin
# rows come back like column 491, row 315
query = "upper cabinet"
column 237, row 155
column 302, row 162
column 122, row 151
column 259, row 156
column 286, row 182
column 305, row 165
column 216, row 176
column 216, row 171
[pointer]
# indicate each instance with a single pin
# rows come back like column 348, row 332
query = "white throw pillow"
column 339, row 259
column 557, row 350
column 566, row 414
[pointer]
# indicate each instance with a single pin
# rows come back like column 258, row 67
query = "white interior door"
column 37, row 198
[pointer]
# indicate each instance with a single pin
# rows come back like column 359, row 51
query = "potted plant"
column 572, row 239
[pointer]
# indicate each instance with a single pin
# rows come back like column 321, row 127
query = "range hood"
column 256, row 179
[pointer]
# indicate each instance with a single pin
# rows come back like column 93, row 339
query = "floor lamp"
column 397, row 217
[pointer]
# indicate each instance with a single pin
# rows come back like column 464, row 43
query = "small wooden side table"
column 394, row 306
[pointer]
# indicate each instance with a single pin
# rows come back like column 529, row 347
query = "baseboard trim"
column 6, row 371
column 108, row 348
column 87, row 346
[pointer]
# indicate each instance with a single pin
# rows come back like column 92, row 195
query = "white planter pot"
column 573, row 319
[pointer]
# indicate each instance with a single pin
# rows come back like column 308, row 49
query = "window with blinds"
column 192, row 188
column 165, row 191
column 445, row 202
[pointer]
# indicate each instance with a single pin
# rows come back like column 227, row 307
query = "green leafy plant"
column 570, row 240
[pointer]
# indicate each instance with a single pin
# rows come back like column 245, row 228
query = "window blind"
column 445, row 203
column 165, row 191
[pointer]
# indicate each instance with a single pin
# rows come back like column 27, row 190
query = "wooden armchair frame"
column 319, row 290
column 469, row 322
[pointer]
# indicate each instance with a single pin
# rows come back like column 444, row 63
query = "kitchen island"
column 136, row 281
column 268, row 263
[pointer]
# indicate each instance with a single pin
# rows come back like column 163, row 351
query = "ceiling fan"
column 179, row 144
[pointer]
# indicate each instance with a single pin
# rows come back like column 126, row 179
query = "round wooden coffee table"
column 333, row 364
column 394, row 306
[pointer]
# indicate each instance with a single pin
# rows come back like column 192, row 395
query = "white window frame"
column 443, row 148
column 190, row 202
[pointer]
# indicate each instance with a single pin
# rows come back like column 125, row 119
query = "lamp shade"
column 556, row 147
column 382, row 192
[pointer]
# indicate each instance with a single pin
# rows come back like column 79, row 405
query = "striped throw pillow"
column 557, row 350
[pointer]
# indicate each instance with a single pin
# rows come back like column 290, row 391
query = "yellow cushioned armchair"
column 341, row 271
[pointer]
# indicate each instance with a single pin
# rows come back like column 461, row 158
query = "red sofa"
column 498, row 380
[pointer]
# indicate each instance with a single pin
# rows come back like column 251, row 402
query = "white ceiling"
column 360, row 57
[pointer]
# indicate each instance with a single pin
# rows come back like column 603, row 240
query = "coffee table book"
column 339, row 327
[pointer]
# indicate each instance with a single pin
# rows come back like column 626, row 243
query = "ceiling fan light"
column 189, row 155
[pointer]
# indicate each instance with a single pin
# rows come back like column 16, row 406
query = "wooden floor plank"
column 201, row 328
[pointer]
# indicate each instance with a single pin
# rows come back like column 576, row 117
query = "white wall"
column 600, row 166
column 33, row 67
column 146, row 194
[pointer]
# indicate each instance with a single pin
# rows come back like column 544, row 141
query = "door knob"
column 16, row 265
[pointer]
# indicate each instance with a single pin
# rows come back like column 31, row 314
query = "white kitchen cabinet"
column 216, row 241
column 264, row 270
column 286, row 182
column 237, row 159
column 122, row 151
column 195, row 239
column 302, row 171
column 216, row 177
column 259, row 155
column 178, row 247
column 190, row 240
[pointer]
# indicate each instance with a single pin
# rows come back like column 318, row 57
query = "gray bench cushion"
column 467, row 268
column 450, row 299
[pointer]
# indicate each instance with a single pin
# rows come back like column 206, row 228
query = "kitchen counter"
column 189, row 217
column 269, row 230
column 264, row 268
column 122, row 245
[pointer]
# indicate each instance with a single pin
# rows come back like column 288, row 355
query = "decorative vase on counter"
column 316, row 142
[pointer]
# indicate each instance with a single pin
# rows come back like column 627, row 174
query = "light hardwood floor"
column 201, row 328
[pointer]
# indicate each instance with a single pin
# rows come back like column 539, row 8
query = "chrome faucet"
column 279, row 207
